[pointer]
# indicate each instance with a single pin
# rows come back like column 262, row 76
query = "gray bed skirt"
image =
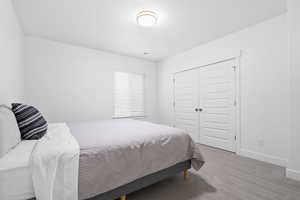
column 144, row 182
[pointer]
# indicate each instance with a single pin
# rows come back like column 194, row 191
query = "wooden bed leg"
column 123, row 197
column 185, row 174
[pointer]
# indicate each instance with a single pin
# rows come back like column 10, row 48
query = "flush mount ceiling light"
column 146, row 18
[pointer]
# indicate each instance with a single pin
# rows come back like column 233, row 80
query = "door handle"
column 198, row 109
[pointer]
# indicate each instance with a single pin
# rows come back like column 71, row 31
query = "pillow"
column 31, row 123
column 9, row 132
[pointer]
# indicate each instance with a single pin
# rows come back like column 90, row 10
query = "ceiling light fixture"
column 146, row 18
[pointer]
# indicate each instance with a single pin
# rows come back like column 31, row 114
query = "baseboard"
column 263, row 157
column 293, row 174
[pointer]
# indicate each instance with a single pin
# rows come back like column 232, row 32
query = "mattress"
column 116, row 152
column 15, row 176
column 113, row 153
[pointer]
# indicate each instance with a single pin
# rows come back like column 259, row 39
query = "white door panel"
column 211, row 88
column 186, row 100
column 216, row 98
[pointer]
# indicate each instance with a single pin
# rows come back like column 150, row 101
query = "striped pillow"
column 31, row 123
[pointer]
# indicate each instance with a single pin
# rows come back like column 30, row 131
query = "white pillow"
column 10, row 134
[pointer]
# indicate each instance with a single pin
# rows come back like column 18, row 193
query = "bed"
column 118, row 157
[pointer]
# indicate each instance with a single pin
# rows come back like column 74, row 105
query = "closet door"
column 186, row 101
column 217, row 105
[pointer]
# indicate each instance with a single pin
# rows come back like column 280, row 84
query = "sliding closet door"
column 186, row 101
column 217, row 105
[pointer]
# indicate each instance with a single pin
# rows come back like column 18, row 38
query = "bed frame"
column 148, row 180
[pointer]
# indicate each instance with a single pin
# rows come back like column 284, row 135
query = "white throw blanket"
column 54, row 164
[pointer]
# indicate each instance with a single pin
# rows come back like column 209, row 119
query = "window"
column 129, row 95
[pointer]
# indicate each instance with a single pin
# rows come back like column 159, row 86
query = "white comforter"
column 55, row 163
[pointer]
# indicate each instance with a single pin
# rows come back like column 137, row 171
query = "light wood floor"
column 225, row 176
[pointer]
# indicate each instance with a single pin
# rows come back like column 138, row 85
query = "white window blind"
column 129, row 95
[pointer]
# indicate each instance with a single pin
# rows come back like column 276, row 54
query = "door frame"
column 237, row 93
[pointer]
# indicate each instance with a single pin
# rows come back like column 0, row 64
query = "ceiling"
column 111, row 24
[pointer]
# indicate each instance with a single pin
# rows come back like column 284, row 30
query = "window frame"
column 144, row 97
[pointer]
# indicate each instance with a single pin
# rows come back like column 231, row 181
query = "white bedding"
column 46, row 169
column 15, row 176
column 54, row 165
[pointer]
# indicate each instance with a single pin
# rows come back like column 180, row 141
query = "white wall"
column 265, row 122
column 293, row 170
column 11, row 55
column 72, row 83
